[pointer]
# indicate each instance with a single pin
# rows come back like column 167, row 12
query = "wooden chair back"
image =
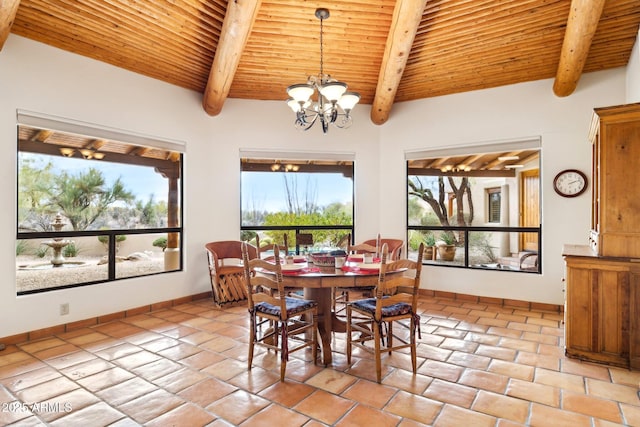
column 227, row 282
column 396, row 288
column 228, row 249
column 305, row 240
column 344, row 241
column 395, row 246
column 263, row 249
column 371, row 246
column 264, row 288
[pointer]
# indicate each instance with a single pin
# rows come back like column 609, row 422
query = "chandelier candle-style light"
column 334, row 103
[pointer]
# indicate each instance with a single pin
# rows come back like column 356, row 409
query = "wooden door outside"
column 529, row 207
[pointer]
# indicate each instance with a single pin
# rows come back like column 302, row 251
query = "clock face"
column 570, row 183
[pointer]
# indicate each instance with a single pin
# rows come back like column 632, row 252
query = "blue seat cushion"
column 294, row 306
column 368, row 305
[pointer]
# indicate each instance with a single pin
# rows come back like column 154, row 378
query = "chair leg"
column 414, row 361
column 390, row 336
column 314, row 338
column 349, row 335
column 376, row 341
column 252, row 340
column 283, row 355
column 283, row 368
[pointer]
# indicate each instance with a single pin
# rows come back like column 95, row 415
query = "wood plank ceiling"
column 254, row 49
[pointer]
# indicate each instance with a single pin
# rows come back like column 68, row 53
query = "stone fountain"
column 57, row 244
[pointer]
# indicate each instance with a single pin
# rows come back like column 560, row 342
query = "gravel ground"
column 37, row 273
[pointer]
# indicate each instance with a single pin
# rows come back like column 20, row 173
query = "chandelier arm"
column 343, row 121
column 325, row 125
column 333, row 113
column 305, row 119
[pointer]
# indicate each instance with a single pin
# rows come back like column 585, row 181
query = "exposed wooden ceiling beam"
column 8, row 10
column 237, row 25
column 582, row 23
column 345, row 170
column 54, row 150
column 507, row 173
column 138, row 151
column 42, row 135
column 404, row 25
column 97, row 144
column 499, row 163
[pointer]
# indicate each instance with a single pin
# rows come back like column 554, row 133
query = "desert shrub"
column 42, row 251
column 70, row 251
column 482, row 242
column 247, row 235
column 160, row 242
column 119, row 238
column 448, row 238
column 22, row 247
column 430, row 240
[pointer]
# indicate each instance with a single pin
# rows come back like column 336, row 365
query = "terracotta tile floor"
column 479, row 365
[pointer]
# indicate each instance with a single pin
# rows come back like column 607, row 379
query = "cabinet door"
column 619, row 222
column 612, row 314
column 634, row 318
column 579, row 331
column 598, row 313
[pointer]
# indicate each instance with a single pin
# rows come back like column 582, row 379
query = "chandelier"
column 334, row 103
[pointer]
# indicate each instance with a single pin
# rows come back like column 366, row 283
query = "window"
column 94, row 205
column 297, row 196
column 476, row 207
column 493, row 204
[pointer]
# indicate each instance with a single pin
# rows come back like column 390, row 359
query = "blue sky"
column 266, row 190
column 141, row 181
column 260, row 190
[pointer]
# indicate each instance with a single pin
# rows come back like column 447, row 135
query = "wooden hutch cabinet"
column 602, row 307
column 615, row 214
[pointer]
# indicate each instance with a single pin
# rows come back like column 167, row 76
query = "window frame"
column 318, row 162
column 434, row 159
column 85, row 130
column 490, row 191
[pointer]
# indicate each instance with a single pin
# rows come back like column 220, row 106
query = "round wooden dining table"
column 317, row 283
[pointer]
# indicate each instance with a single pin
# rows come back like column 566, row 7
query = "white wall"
column 42, row 79
column 513, row 112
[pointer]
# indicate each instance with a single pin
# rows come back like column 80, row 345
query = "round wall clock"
column 570, row 183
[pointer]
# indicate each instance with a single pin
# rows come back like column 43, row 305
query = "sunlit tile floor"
column 479, row 365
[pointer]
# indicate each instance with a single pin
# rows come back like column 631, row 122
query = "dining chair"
column 304, row 239
column 344, row 241
column 371, row 246
column 225, row 271
column 395, row 246
column 529, row 261
column 284, row 248
column 340, row 296
column 395, row 302
column 267, row 248
column 277, row 322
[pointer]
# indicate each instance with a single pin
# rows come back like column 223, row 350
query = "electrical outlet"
column 64, row 309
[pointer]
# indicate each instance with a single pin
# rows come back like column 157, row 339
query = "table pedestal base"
column 327, row 320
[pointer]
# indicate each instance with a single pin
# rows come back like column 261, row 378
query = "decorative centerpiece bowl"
column 326, row 259
column 323, row 259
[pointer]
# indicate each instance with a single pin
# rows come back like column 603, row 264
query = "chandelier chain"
column 321, row 48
